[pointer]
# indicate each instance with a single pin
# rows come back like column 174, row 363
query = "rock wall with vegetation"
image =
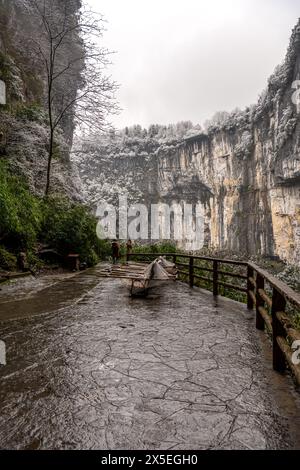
column 30, row 222
column 24, row 128
column 244, row 169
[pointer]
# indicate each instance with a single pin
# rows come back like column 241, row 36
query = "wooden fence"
column 271, row 298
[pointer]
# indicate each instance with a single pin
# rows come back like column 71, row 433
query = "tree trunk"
column 50, row 155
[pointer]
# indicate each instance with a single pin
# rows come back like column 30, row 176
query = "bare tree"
column 68, row 47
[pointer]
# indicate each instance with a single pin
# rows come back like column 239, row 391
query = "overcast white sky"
column 185, row 59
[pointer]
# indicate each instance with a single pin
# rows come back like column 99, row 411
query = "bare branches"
column 73, row 62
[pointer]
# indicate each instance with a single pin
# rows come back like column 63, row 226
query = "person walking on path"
column 115, row 247
column 128, row 249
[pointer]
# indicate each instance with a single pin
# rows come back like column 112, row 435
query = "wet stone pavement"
column 178, row 370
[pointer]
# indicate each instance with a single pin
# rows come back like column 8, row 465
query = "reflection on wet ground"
column 45, row 294
column 102, row 371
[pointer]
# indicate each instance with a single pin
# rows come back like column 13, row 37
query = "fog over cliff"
column 191, row 59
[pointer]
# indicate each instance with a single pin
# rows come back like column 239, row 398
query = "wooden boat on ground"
column 140, row 278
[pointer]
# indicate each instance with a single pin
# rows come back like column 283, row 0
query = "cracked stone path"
column 178, row 370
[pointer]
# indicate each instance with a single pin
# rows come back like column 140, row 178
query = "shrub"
column 70, row 228
column 26, row 219
column 34, row 262
column 33, row 113
column 104, row 249
column 20, row 212
column 291, row 276
column 7, row 260
column 161, row 247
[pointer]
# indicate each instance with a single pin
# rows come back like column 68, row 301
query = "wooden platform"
column 140, row 277
column 125, row 271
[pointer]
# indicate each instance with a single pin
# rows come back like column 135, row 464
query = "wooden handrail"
column 182, row 255
column 270, row 308
column 280, row 286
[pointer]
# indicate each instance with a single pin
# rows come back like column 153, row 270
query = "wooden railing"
column 271, row 298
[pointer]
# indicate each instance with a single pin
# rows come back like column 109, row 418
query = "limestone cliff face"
column 245, row 173
column 23, row 121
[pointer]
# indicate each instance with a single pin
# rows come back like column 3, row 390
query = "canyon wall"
column 245, row 171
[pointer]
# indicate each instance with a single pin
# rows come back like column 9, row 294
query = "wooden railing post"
column 191, row 271
column 278, row 305
column 250, row 274
column 215, row 278
column 174, row 259
column 260, row 284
